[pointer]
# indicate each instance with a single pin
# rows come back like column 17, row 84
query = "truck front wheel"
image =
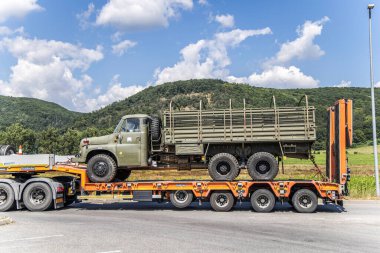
column 262, row 166
column 223, row 166
column 101, row 168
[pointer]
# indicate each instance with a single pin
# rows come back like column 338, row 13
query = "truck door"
column 129, row 143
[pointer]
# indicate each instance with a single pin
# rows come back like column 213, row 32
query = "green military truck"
column 224, row 141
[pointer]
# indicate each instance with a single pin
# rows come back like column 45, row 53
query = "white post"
column 370, row 7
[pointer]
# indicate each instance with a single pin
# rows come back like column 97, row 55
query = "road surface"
column 152, row 227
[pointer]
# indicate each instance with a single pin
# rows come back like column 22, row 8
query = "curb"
column 5, row 220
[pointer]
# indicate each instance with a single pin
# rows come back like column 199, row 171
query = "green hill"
column 34, row 113
column 38, row 115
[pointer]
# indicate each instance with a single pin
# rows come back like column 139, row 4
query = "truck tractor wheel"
column 7, row 150
column 262, row 166
column 37, row 197
column 101, row 168
column 223, row 166
column 263, row 201
column 305, row 201
column 122, row 174
column 155, row 129
column 7, row 197
column 222, row 201
column 181, row 198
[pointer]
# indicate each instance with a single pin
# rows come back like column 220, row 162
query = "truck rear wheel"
column 7, row 197
column 223, row 166
column 101, row 168
column 262, row 166
column 263, row 201
column 181, row 198
column 122, row 174
column 37, row 197
column 305, row 201
column 222, row 201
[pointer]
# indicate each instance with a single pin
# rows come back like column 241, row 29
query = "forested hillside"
column 186, row 94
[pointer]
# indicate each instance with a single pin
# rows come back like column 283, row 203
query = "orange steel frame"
column 339, row 137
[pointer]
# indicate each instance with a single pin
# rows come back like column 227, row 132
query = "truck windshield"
column 118, row 127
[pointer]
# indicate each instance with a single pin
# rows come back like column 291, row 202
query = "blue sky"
column 86, row 54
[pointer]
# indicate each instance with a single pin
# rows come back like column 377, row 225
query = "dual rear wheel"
column 261, row 166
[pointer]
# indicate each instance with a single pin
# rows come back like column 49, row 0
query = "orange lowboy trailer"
column 41, row 193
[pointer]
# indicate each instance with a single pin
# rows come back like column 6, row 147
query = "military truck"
column 224, row 141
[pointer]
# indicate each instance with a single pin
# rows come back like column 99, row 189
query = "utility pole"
column 370, row 7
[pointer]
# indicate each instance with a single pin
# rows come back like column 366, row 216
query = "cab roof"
column 135, row 116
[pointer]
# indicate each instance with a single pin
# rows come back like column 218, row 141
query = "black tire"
column 37, row 197
column 223, row 166
column 262, row 166
column 122, row 174
column 305, row 201
column 155, row 129
column 101, row 168
column 263, row 201
column 222, row 201
column 7, row 197
column 7, row 150
column 181, row 198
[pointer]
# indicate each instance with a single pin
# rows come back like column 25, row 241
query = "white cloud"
column 343, row 84
column 141, row 14
column 303, row 47
column 6, row 31
column 202, row 2
column 50, row 70
column 17, row 8
column 278, row 77
column 115, row 92
column 206, row 58
column 122, row 47
column 377, row 85
column 85, row 16
column 225, row 20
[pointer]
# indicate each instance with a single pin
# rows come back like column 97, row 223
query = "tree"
column 17, row 135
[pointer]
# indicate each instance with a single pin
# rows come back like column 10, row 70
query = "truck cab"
column 114, row 155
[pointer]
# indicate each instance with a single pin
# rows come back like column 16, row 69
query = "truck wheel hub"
column 100, row 169
column 263, row 201
column 221, row 200
column 223, row 168
column 262, row 167
column 37, row 196
column 3, row 196
column 305, row 201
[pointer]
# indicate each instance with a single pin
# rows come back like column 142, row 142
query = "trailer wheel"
column 101, row 168
column 222, row 201
column 122, row 174
column 263, row 201
column 223, row 166
column 262, row 166
column 181, row 198
column 7, row 150
column 37, row 197
column 7, row 197
column 305, row 201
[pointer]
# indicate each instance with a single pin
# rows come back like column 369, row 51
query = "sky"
column 85, row 54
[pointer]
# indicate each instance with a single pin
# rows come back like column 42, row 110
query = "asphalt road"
column 152, row 227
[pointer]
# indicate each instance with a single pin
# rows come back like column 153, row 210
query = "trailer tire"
column 181, row 199
column 305, row 201
column 263, row 201
column 37, row 197
column 262, row 166
column 155, row 129
column 223, row 166
column 222, row 201
column 7, row 197
column 101, row 168
column 122, row 174
column 7, row 150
